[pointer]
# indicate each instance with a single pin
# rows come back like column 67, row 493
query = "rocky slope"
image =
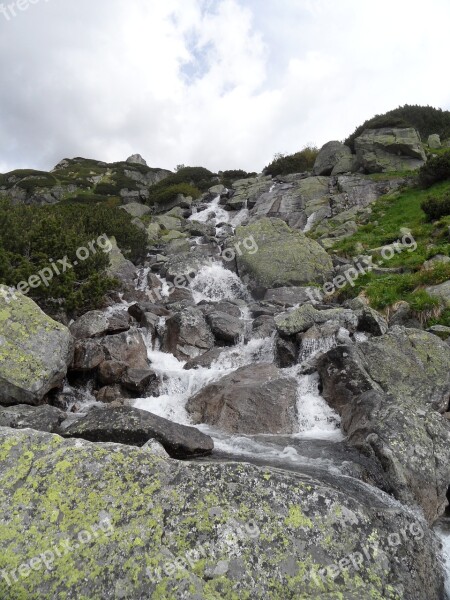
column 225, row 427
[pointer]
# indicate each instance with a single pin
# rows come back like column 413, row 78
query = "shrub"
column 166, row 195
column 294, row 163
column 435, row 208
column 227, row 178
column 436, row 169
column 106, row 189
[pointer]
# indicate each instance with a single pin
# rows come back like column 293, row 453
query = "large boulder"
column 23, row 416
column 333, row 158
column 105, row 521
column 97, row 323
column 283, row 257
column 253, row 399
column 434, row 141
column 120, row 267
column 391, row 393
column 126, row 425
column 187, row 334
column 128, row 347
column 35, row 351
column 307, row 316
column 390, row 149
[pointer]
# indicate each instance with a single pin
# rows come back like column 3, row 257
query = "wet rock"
column 134, row 427
column 41, row 418
column 111, row 371
column 88, row 355
column 313, row 521
column 253, row 399
column 204, row 360
column 35, row 351
column 96, row 323
column 391, row 392
column 263, row 327
column 139, row 381
column 128, row 348
column 286, row 353
column 187, row 334
column 226, row 328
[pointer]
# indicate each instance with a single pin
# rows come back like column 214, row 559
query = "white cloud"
column 221, row 83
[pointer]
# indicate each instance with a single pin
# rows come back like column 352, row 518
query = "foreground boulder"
column 131, row 426
column 35, row 351
column 107, row 521
column 41, row 418
column 279, row 256
column 253, row 399
column 390, row 149
column 392, row 393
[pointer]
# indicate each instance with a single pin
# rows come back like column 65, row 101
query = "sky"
column 223, row 84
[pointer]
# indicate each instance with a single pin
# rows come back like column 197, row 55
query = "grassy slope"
column 390, row 215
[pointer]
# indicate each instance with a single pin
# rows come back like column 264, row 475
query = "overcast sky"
column 219, row 83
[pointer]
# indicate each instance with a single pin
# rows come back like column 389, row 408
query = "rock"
column 434, row 141
column 306, row 316
column 331, row 155
column 204, row 360
column 286, row 353
column 138, row 381
column 136, row 159
column 96, row 324
column 225, row 327
column 441, row 291
column 128, row 348
column 440, row 330
column 284, row 257
column 88, row 355
column 120, row 267
column 136, row 209
column 42, row 418
column 111, row 371
column 370, row 321
column 390, row 149
column 253, row 399
column 391, row 392
column 187, row 334
column 217, row 190
column 35, row 351
column 404, row 316
column 291, row 296
column 110, row 394
column 134, row 427
column 263, row 327
column 148, row 512
column 318, row 339
column 428, row 265
column 155, row 449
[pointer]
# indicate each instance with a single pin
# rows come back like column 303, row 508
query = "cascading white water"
column 215, row 283
column 213, row 214
column 442, row 529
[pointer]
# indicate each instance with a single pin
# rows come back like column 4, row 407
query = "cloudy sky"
column 219, row 83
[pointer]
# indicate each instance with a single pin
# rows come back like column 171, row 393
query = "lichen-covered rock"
column 284, row 257
column 35, row 351
column 110, row 521
column 253, row 399
column 390, row 149
column 391, row 393
column 306, row 316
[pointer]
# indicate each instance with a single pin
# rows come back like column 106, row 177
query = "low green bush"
column 436, row 169
column 165, row 196
column 294, row 163
column 436, row 207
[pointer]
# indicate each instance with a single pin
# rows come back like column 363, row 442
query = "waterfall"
column 215, row 283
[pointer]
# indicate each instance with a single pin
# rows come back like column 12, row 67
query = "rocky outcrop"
column 434, row 141
column 391, row 393
column 134, row 427
column 136, row 159
column 254, row 399
column 390, row 149
column 35, row 351
column 306, row 316
column 97, row 323
column 334, row 158
column 139, row 526
column 284, row 257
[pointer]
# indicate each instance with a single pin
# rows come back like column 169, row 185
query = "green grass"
column 390, row 215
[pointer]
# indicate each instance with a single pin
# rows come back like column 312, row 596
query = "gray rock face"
column 390, row 149
column 254, row 399
column 434, row 141
column 332, row 155
column 88, row 355
column 306, row 316
column 120, row 267
column 128, row 348
column 41, row 418
column 291, row 296
column 136, row 209
column 187, row 334
column 134, row 427
column 441, row 291
column 97, row 323
column 284, row 257
column 35, row 351
column 136, row 159
column 391, row 393
column 225, row 327
column 220, row 521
